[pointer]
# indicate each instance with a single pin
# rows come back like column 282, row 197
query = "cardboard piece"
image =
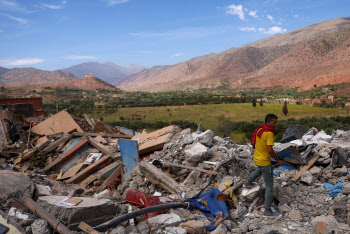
column 60, row 122
column 154, row 140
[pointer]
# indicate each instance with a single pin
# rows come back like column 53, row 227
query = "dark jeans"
column 267, row 174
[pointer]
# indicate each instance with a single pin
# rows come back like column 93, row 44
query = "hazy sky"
column 54, row 34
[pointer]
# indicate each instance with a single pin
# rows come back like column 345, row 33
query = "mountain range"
column 109, row 72
column 317, row 54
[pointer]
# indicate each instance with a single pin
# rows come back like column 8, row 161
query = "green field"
column 208, row 114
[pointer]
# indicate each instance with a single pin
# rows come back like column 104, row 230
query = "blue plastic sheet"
column 334, row 189
column 209, row 205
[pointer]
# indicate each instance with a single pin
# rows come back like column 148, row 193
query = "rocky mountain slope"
column 28, row 76
column 109, row 72
column 314, row 54
column 88, row 82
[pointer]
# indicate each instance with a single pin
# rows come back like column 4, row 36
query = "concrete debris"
column 170, row 167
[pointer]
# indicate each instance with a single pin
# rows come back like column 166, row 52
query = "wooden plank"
column 31, row 152
column 67, row 154
column 305, row 168
column 191, row 168
column 90, row 169
column 99, row 146
column 102, row 135
column 55, row 144
column 117, row 173
column 85, row 227
column 99, row 174
column 88, row 181
column 72, row 171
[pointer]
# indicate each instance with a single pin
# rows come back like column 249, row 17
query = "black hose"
column 114, row 222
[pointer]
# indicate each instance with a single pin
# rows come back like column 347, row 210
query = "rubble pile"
column 71, row 174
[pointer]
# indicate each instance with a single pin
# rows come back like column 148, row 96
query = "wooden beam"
column 102, row 134
column 190, row 168
column 117, row 173
column 160, row 177
column 31, row 152
column 67, row 154
column 55, row 144
column 99, row 146
column 90, row 169
column 305, row 168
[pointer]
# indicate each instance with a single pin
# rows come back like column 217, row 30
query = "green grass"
column 208, row 114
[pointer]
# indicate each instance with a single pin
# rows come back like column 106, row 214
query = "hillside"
column 109, row 72
column 298, row 58
column 28, row 76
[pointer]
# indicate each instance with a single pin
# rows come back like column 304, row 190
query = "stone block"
column 307, row 178
column 11, row 182
column 295, row 215
column 195, row 152
column 164, row 219
column 41, row 226
column 205, row 138
column 346, row 189
column 91, row 210
column 194, row 227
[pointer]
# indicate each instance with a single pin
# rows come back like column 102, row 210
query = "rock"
column 307, row 178
column 194, row 227
column 218, row 140
column 244, row 227
column 138, row 179
column 188, row 139
column 143, row 227
column 195, row 152
column 343, row 171
column 164, row 219
column 315, row 170
column 295, row 215
column 205, row 138
column 11, row 182
column 329, row 221
column 131, row 229
column 174, row 230
column 118, row 230
column 221, row 229
column 41, row 226
column 346, row 188
column 41, row 190
column 93, row 211
column 185, row 131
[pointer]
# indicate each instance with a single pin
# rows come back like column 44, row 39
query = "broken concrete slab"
column 11, row 182
column 307, row 178
column 41, row 190
column 91, row 210
column 164, row 219
column 60, row 122
column 329, row 222
column 195, row 152
column 205, row 138
column 41, row 226
column 194, row 227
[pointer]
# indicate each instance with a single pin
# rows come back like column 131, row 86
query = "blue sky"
column 54, row 34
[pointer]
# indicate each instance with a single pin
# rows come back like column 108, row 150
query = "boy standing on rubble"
column 263, row 140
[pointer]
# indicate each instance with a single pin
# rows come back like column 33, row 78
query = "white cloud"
column 272, row 30
column 269, row 17
column 235, row 10
column 53, row 7
column 177, row 55
column 20, row 62
column 19, row 20
column 296, row 16
column 77, row 57
column 64, row 2
column 248, row 29
column 11, row 5
column 115, row 2
column 253, row 14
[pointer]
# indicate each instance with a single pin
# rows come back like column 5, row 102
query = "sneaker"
column 249, row 184
column 271, row 213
